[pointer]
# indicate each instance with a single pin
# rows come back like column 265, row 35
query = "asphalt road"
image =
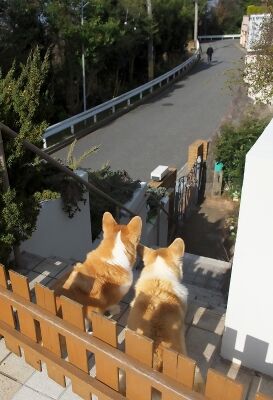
column 160, row 131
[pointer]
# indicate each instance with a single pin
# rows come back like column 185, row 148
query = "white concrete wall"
column 150, row 234
column 58, row 235
column 248, row 335
column 138, row 205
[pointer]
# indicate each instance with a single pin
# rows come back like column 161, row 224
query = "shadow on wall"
column 254, row 354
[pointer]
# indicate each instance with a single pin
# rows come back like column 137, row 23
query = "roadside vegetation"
column 113, row 35
column 232, row 145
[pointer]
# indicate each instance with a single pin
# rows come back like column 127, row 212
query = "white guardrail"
column 71, row 126
column 221, row 37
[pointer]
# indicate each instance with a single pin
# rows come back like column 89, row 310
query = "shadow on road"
column 203, row 65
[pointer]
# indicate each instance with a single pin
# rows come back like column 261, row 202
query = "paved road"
column 160, row 131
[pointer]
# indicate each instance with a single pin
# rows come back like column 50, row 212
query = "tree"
column 258, row 72
column 226, row 16
column 20, row 93
column 21, row 29
column 232, row 146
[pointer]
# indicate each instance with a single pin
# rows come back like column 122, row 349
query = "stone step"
column 206, row 273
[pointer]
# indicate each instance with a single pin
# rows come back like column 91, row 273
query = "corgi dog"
column 101, row 281
column 159, row 308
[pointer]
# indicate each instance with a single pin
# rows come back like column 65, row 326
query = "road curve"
column 160, row 131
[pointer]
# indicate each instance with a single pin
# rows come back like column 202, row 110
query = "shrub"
column 21, row 92
column 156, row 195
column 256, row 10
column 232, row 146
column 116, row 184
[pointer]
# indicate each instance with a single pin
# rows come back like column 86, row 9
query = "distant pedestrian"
column 209, row 53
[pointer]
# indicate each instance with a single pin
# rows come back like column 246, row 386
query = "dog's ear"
column 134, row 227
column 144, row 251
column 108, row 224
column 177, row 247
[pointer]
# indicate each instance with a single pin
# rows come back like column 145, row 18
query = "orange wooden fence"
column 28, row 321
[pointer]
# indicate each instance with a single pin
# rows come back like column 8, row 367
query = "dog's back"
column 159, row 308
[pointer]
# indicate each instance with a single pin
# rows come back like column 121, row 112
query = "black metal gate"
column 188, row 189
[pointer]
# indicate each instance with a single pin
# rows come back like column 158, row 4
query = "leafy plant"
column 21, row 91
column 117, row 184
column 74, row 163
column 46, row 195
column 256, row 9
column 156, row 194
column 232, row 146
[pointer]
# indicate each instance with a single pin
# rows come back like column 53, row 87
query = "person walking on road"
column 209, row 53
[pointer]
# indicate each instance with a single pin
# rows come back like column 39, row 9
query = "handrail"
column 89, row 186
column 212, row 37
column 111, row 104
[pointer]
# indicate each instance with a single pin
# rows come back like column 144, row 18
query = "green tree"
column 232, row 146
column 20, row 93
column 226, row 17
column 258, row 72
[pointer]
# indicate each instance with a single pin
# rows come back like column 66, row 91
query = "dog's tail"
column 158, row 359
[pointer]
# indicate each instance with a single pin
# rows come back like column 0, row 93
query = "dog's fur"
column 159, row 308
column 100, row 282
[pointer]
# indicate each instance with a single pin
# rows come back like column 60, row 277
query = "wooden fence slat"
column 107, row 370
column 219, row 386
column 105, row 329
column 19, row 284
column 179, row 367
column 102, row 391
column 167, row 395
column 137, row 387
column 3, row 277
column 186, row 371
column 170, row 363
column 139, row 347
column 81, row 389
column 45, row 298
column 27, row 325
column 73, row 313
column 260, row 396
column 7, row 314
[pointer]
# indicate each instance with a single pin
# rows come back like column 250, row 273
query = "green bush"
column 116, row 184
column 21, row 92
column 156, row 195
column 256, row 10
column 232, row 146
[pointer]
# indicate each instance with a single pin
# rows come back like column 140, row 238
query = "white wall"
column 58, row 235
column 150, row 234
column 248, row 335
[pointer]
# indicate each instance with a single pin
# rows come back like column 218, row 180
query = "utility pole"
column 195, row 36
column 83, row 61
column 150, row 44
column 6, row 186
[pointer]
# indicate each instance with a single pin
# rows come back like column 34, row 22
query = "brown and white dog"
column 100, row 282
column 159, row 308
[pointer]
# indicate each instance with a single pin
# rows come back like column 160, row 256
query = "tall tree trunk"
column 150, row 44
column 132, row 69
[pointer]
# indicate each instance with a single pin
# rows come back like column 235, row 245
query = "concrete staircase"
column 206, row 280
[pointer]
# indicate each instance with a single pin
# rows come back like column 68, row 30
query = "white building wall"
column 248, row 335
column 58, row 235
